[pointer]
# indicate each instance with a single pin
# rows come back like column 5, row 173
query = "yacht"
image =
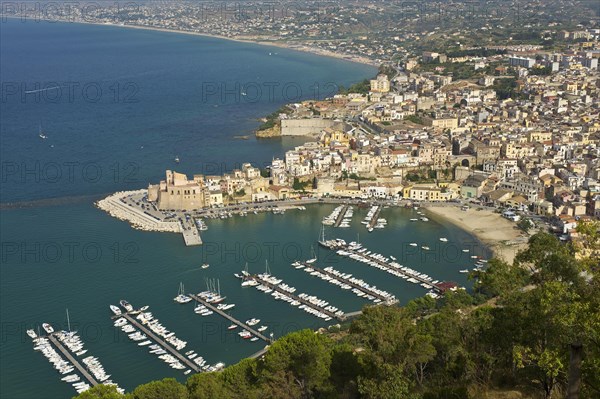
column 252, row 322
column 48, row 328
column 126, row 305
column 31, row 334
column 181, row 297
column 115, row 309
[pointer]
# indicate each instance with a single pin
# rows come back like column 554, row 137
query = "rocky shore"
column 116, row 207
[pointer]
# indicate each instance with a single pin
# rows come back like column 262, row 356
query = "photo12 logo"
column 227, row 92
column 67, row 172
column 69, row 92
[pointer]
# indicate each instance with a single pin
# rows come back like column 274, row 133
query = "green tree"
column 206, row 386
column 101, row 392
column 167, row 388
column 303, row 356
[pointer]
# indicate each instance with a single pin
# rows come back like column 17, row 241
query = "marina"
column 372, row 220
column 361, row 254
column 162, row 343
column 70, row 345
column 311, row 304
column 341, row 216
column 92, row 381
column 346, row 281
column 232, row 319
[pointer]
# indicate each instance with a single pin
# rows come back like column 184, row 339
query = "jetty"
column 72, row 359
column 340, row 216
column 361, row 254
column 191, row 234
column 230, row 318
column 348, row 281
column 374, row 218
column 275, row 287
column 162, row 343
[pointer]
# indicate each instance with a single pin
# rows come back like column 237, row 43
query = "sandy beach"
column 251, row 40
column 500, row 234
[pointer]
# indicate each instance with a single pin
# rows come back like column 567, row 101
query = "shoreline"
column 294, row 47
column 501, row 236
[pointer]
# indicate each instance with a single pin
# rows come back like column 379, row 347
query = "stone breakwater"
column 115, row 206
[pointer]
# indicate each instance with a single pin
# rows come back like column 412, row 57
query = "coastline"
column 499, row 234
column 285, row 45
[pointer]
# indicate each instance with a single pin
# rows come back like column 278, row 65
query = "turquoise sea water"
column 73, row 256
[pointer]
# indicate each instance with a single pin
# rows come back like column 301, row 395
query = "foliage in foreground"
column 533, row 326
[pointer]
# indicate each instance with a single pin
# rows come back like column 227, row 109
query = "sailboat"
column 41, row 134
column 71, row 333
column 181, row 297
column 322, row 241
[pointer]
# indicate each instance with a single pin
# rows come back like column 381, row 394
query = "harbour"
column 229, row 317
column 161, row 267
column 184, row 360
column 302, row 300
column 70, row 345
column 378, row 296
column 359, row 253
column 73, row 361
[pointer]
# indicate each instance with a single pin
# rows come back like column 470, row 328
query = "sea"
column 88, row 110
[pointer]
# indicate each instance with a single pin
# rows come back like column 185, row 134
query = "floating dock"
column 366, row 291
column 374, row 218
column 398, row 269
column 230, row 318
column 340, row 216
column 184, row 360
column 297, row 298
column 73, row 361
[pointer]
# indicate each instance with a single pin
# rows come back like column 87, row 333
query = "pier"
column 297, row 298
column 184, row 360
column 373, row 220
column 72, row 359
column 230, row 318
column 366, row 291
column 340, row 216
column 398, row 269
column 191, row 234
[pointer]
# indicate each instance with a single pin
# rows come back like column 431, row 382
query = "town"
column 521, row 138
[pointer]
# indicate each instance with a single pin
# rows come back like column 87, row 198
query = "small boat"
column 126, row 305
column 232, row 327
column 144, row 308
column 205, row 266
column 262, row 328
column 48, row 328
column 253, row 339
column 443, row 239
column 464, row 271
column 115, row 309
column 252, row 322
column 176, row 159
column 31, row 334
column 413, row 244
column 465, row 250
column 425, row 248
